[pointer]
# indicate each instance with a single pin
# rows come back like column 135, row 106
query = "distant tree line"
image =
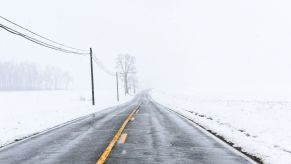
column 31, row 76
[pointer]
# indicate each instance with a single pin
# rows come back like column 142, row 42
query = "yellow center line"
column 123, row 138
column 109, row 148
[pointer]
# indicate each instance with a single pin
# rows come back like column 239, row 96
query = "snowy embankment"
column 24, row 113
column 260, row 128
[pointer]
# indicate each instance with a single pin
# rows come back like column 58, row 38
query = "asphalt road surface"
column 152, row 135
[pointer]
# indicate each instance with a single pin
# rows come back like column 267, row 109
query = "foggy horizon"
column 226, row 47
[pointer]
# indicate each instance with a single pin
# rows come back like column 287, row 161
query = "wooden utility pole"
column 92, row 78
column 117, row 88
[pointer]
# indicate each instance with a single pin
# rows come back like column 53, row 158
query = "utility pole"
column 92, row 78
column 117, row 89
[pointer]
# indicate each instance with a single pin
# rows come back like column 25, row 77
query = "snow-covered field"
column 24, row 113
column 260, row 128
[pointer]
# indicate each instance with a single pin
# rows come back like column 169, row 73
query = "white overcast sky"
column 225, row 46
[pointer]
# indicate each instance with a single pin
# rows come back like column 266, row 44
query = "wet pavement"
column 155, row 135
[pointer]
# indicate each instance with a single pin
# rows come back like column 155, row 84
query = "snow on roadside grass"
column 260, row 128
column 24, row 113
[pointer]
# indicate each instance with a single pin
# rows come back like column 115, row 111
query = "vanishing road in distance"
column 140, row 131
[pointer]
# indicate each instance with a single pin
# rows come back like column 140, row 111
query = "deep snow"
column 24, row 113
column 260, row 128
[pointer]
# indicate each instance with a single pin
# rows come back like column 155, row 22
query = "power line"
column 95, row 59
column 61, row 49
column 102, row 67
column 41, row 35
column 41, row 42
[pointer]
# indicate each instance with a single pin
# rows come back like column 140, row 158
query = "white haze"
column 231, row 47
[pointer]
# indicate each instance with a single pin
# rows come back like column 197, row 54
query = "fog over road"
column 153, row 134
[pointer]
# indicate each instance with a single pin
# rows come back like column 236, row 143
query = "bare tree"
column 126, row 67
column 132, row 82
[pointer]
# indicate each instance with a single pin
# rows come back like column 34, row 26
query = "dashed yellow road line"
column 123, row 138
column 107, row 151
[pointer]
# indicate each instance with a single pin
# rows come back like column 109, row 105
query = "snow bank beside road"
column 23, row 113
column 260, row 128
